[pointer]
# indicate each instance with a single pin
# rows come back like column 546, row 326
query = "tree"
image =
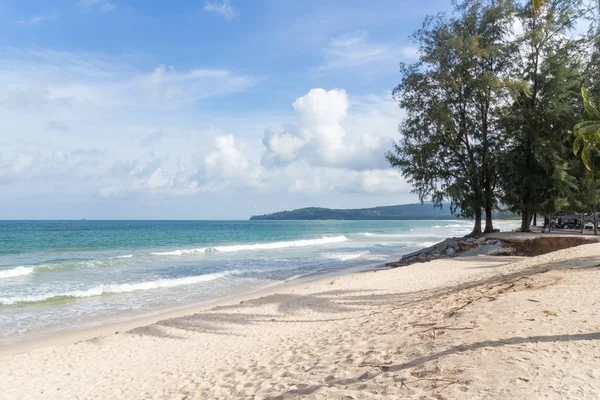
column 448, row 143
column 587, row 141
column 536, row 124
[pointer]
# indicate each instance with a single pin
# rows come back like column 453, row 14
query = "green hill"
column 399, row 212
column 404, row 211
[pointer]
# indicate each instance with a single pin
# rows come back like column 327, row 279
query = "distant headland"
column 415, row 211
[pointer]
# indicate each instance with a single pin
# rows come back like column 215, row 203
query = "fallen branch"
column 452, row 312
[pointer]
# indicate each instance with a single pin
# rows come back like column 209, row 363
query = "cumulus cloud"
column 281, row 147
column 329, row 180
column 102, row 128
column 219, row 165
column 223, row 8
column 34, row 166
column 335, row 144
column 328, row 133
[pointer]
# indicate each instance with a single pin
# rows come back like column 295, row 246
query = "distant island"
column 399, row 212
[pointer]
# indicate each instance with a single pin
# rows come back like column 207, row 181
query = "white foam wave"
column 15, row 272
column 125, row 256
column 426, row 244
column 117, row 288
column 256, row 246
column 386, row 235
column 452, row 226
column 345, row 256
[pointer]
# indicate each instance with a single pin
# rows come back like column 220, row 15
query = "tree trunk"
column 489, row 226
column 489, row 205
column 595, row 194
column 477, row 226
column 535, row 218
column 525, row 219
column 582, row 222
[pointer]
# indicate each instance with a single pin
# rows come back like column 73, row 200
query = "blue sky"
column 199, row 109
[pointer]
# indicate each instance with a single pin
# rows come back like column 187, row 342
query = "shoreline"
column 65, row 336
column 95, row 329
column 470, row 327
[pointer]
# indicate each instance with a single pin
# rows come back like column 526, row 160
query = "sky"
column 193, row 109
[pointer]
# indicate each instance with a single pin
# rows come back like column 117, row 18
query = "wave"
column 345, row 256
column 452, row 226
column 116, row 288
column 28, row 270
column 406, row 236
column 15, row 272
column 386, row 235
column 256, row 246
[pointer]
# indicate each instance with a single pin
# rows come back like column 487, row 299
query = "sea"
column 56, row 276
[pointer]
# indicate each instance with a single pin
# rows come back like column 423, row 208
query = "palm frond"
column 591, row 109
column 577, row 144
column 587, row 132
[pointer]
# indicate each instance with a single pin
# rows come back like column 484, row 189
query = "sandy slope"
column 491, row 328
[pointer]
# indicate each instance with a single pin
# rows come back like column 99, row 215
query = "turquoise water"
column 56, row 275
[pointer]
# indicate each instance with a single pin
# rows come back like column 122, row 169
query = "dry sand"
column 472, row 328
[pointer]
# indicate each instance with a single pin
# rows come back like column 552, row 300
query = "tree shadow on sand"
column 367, row 376
column 344, row 304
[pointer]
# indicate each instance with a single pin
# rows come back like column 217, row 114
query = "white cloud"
column 104, row 5
column 102, row 129
column 227, row 165
column 55, row 125
column 223, row 8
column 151, row 138
column 36, row 166
column 303, row 178
column 167, row 86
column 356, row 49
column 37, row 19
column 281, row 146
column 37, row 79
column 332, row 132
column 335, row 145
column 214, row 167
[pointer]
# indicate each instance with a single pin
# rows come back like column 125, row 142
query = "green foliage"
column 448, row 140
column 587, row 139
column 537, row 123
column 490, row 111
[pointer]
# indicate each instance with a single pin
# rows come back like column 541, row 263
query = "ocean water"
column 57, row 275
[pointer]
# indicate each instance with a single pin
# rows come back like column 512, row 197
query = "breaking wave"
column 125, row 256
column 255, row 246
column 116, row 288
column 345, row 256
column 15, row 272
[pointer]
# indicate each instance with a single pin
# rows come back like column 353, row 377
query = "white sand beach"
column 476, row 328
